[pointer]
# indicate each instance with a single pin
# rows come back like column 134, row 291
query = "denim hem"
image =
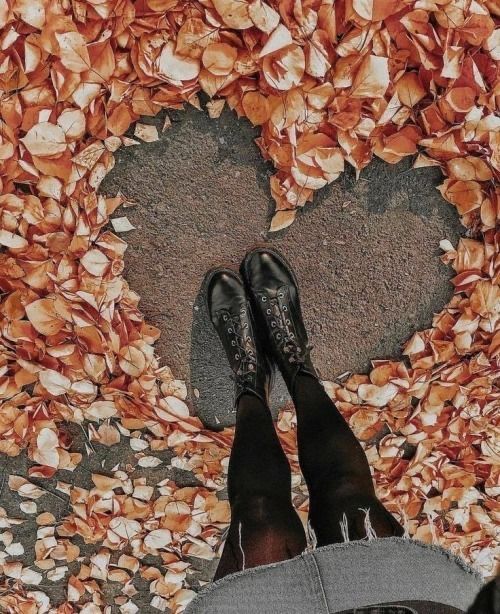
column 317, row 562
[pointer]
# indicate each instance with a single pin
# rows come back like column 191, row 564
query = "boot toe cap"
column 224, row 291
column 266, row 269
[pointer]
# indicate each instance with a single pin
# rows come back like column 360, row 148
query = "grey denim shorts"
column 342, row 577
column 408, row 607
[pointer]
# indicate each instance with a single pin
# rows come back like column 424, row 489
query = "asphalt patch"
column 366, row 253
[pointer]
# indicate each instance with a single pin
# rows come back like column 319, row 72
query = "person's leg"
column 336, row 470
column 264, row 528
column 332, row 460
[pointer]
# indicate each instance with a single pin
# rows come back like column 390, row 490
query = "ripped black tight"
column 265, row 528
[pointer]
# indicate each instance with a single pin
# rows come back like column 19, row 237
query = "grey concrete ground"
column 366, row 253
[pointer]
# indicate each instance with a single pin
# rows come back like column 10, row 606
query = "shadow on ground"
column 366, row 254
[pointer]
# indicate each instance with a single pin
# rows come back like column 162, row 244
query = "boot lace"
column 236, row 328
column 277, row 313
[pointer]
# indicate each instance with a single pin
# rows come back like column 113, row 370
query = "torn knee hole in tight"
column 361, row 526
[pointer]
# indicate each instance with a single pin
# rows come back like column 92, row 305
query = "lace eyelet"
column 280, row 295
column 229, row 330
column 237, row 356
column 273, row 324
column 278, row 336
column 288, row 322
column 268, row 311
column 292, row 336
column 243, row 312
column 264, row 299
column 285, row 308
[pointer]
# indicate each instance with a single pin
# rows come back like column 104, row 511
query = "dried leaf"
column 282, row 219
column 278, row 39
column 263, row 16
column 132, row 361
column 45, row 139
column 372, row 78
column 121, row 224
column 146, row 132
column 284, row 68
column 159, row 538
column 11, row 240
column 177, row 67
column 256, row 107
column 55, row 383
column 73, row 51
column 234, row 14
column 219, row 58
column 215, row 108
column 43, row 316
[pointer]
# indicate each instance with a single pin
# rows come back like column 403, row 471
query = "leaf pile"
column 328, row 82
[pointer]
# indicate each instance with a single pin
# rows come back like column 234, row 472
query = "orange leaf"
column 461, row 99
column 372, row 78
column 284, row 68
column 256, row 107
column 410, row 90
column 176, row 67
column 45, row 139
column 73, row 51
column 465, row 195
column 219, row 58
column 44, row 317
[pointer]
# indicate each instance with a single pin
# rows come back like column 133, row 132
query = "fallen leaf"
column 176, row 67
column 219, row 58
column 95, row 262
column 372, row 78
column 146, row 132
column 54, row 382
column 121, row 224
column 45, row 139
column 43, row 316
column 73, row 51
column 282, row 219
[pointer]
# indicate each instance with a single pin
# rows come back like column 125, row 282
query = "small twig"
column 51, row 493
column 87, row 438
column 2, row 483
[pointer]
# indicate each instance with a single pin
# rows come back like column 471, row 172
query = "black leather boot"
column 233, row 320
column 274, row 292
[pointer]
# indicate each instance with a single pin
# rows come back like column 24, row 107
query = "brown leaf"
column 73, row 51
column 45, row 139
